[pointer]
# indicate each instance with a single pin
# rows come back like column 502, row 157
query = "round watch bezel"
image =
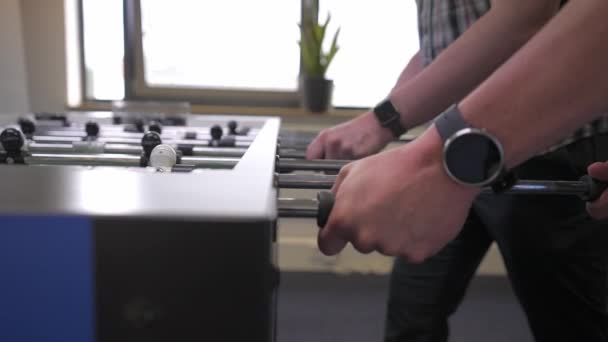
column 467, row 131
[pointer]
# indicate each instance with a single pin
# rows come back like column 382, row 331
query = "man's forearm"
column 471, row 59
column 557, row 83
column 413, row 67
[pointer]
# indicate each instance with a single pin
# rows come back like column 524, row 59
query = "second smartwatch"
column 389, row 117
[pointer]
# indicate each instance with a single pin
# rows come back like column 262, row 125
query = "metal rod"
column 121, row 160
column 137, row 135
column 522, row 187
column 587, row 189
column 100, row 147
column 305, row 181
column 87, row 147
column 83, row 159
column 295, row 207
column 289, row 165
column 127, row 141
column 292, row 153
column 537, row 187
column 210, row 163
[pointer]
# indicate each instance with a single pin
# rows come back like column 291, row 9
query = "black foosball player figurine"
column 137, row 126
column 53, row 118
column 12, row 141
column 28, row 127
column 218, row 140
column 89, row 143
column 155, row 126
column 233, row 129
column 148, row 142
column 91, row 129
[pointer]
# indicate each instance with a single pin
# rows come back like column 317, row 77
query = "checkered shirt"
column 440, row 22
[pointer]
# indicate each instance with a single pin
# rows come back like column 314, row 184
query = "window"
column 239, row 44
column 103, row 49
column 239, row 52
column 377, row 39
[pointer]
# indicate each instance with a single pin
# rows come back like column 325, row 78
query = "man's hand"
column 599, row 208
column 357, row 138
column 400, row 203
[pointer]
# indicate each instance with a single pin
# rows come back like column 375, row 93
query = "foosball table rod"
column 194, row 162
column 588, row 189
column 83, row 147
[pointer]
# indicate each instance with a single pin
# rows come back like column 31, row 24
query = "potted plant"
column 316, row 90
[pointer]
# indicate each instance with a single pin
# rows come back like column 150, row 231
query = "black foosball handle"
column 595, row 188
column 326, row 203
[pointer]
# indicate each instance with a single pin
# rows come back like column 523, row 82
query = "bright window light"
column 104, row 49
column 377, row 39
column 239, row 44
column 72, row 53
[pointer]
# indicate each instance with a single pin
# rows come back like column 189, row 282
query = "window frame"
column 136, row 88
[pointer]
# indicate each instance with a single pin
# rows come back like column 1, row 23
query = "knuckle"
column 337, row 223
column 364, row 243
column 348, row 151
column 334, row 142
column 388, row 250
column 346, row 146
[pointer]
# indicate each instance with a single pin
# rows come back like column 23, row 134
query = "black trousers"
column 555, row 254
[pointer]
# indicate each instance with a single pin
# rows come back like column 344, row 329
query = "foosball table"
column 154, row 227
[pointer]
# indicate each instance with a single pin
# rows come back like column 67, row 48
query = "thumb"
column 316, row 148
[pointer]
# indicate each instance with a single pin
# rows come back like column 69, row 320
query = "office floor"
column 324, row 307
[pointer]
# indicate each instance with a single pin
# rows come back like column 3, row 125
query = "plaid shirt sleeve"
column 441, row 22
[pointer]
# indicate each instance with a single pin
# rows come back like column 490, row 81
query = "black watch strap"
column 389, row 117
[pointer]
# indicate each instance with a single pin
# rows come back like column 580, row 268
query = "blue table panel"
column 46, row 279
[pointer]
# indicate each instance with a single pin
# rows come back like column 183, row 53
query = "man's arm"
column 413, row 68
column 361, row 136
column 554, row 84
column 471, row 58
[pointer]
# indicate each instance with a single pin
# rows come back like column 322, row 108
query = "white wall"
column 32, row 56
column 44, row 47
column 13, row 76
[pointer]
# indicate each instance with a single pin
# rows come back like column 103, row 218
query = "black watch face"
column 473, row 158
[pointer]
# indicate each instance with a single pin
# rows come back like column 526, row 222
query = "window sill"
column 239, row 110
column 292, row 118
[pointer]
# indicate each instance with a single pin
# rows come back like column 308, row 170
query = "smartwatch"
column 471, row 156
column 389, row 117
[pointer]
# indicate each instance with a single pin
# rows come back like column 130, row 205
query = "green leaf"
column 332, row 51
column 314, row 60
